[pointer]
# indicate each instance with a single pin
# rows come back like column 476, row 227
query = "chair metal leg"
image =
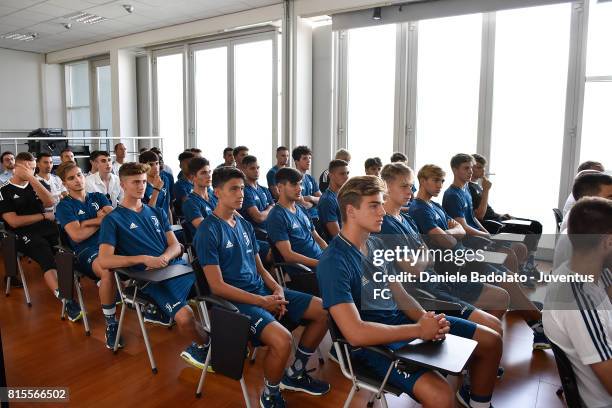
column 8, row 286
column 25, row 284
column 146, row 338
column 82, row 305
column 203, row 375
column 119, row 327
column 370, row 403
column 245, row 393
column 63, row 314
column 320, row 354
column 347, row 403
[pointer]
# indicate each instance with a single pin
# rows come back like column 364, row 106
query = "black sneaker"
column 195, row 355
column 73, row 311
column 111, row 335
column 304, row 383
column 154, row 316
column 271, row 401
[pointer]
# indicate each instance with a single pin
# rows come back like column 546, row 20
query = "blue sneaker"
column 73, row 311
column 540, row 341
column 195, row 355
column 271, row 401
column 111, row 335
column 463, row 396
column 304, row 383
column 154, row 316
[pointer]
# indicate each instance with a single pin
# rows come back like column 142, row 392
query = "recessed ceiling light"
column 85, row 18
column 20, row 36
column 129, row 8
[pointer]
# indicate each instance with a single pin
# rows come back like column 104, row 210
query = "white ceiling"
column 46, row 17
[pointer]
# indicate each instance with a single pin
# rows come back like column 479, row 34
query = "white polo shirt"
column 94, row 184
column 116, row 167
column 583, row 330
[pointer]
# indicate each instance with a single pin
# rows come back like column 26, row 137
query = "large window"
column 170, row 118
column 371, row 94
column 77, row 96
column 211, row 99
column 104, row 101
column 596, row 136
column 253, row 71
column 529, row 110
column 447, row 89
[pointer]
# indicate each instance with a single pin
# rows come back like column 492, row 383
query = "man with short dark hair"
column 201, row 202
column 257, row 199
column 289, row 228
column 282, row 160
column 196, row 152
column 239, row 153
column 104, row 181
column 341, row 154
column 163, row 167
column 8, row 165
column 578, row 314
column 44, row 163
column 329, row 211
column 158, row 189
column 302, row 157
column 23, row 199
column 138, row 236
column 588, row 165
column 120, row 151
column 80, row 215
column 228, row 252
column 228, row 157
column 66, row 155
column 399, row 157
column 373, row 166
column 183, row 185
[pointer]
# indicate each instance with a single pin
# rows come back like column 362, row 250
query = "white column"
column 124, row 95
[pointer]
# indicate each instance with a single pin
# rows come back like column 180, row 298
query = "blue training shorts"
column 260, row 317
column 171, row 295
column 85, row 260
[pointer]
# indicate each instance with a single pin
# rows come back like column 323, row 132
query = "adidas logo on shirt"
column 295, row 225
column 81, row 212
column 133, row 226
column 229, row 244
column 15, row 196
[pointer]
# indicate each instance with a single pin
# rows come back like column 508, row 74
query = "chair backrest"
column 201, row 284
column 187, row 232
column 230, row 334
column 567, row 376
column 558, row 218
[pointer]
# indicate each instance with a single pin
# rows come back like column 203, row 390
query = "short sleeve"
column 6, row 203
column 327, row 211
column 206, row 244
column 249, row 199
column 315, row 185
column 424, row 219
column 108, row 232
column 102, row 200
column 278, row 229
column 161, row 213
column 191, row 210
column 586, row 334
column 268, row 196
column 64, row 214
column 453, row 205
column 334, row 281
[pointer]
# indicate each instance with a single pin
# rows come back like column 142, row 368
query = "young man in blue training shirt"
column 227, row 249
column 80, row 215
column 302, row 157
column 282, row 160
column 201, row 201
column 138, row 236
column 183, row 185
column 257, row 199
column 457, row 202
column 373, row 166
column 159, row 188
column 445, row 232
column 398, row 229
column 346, row 278
column 289, row 228
column 329, row 211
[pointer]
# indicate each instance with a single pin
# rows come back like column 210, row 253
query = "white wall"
column 54, row 108
column 303, row 84
column 20, row 89
column 322, row 88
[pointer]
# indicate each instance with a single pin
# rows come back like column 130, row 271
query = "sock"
column 271, row 389
column 302, row 354
column 536, row 326
column 478, row 401
column 109, row 313
column 56, row 293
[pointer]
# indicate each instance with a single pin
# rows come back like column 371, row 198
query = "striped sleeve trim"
column 606, row 277
column 592, row 323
